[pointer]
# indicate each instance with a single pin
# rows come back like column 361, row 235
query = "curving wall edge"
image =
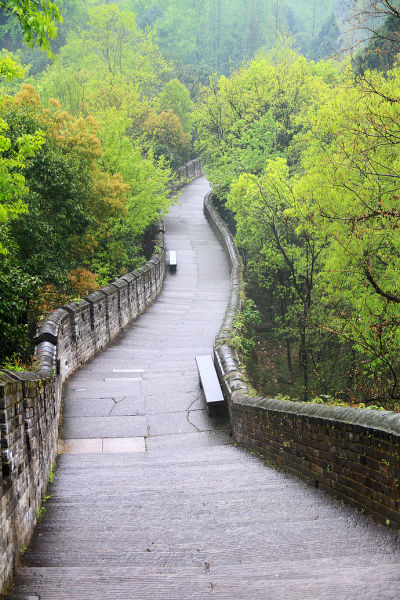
column 353, row 454
column 30, row 402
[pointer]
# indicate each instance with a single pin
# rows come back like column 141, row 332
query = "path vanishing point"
column 151, row 500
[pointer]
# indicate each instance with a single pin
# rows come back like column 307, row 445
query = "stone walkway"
column 151, row 502
column 142, row 391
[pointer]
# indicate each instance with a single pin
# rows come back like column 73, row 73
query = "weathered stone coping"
column 385, row 421
column 351, row 453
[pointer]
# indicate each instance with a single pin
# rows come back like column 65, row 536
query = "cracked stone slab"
column 90, row 407
column 165, row 424
column 128, row 407
column 201, row 420
column 172, row 402
column 103, row 407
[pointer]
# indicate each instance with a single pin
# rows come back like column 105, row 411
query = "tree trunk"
column 304, row 359
column 350, row 375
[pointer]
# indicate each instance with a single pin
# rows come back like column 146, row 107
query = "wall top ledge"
column 109, row 290
column 128, row 278
column 386, row 421
column 8, row 377
column 119, row 283
column 96, row 296
column 77, row 307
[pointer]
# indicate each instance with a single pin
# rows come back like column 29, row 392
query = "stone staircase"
column 200, row 523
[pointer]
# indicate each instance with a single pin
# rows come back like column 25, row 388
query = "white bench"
column 172, row 261
column 209, row 383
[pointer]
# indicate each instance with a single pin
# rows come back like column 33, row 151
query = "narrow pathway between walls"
column 142, row 392
column 151, row 500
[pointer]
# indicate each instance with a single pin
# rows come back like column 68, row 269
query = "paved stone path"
column 143, row 391
column 150, row 502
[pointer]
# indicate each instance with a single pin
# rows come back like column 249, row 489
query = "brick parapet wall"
column 30, row 402
column 353, row 454
column 29, row 408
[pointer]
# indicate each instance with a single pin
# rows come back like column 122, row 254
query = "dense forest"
column 202, row 37
column 293, row 106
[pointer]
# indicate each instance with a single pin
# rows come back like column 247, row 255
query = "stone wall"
column 30, row 402
column 188, row 172
column 351, row 453
column 28, row 435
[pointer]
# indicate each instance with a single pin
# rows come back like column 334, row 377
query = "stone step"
column 303, row 580
column 118, row 508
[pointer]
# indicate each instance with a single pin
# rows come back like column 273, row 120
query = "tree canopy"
column 81, row 182
column 39, row 20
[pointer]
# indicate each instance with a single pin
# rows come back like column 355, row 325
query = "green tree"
column 18, row 314
column 176, row 97
column 63, row 196
column 166, row 132
column 17, row 288
column 38, row 20
column 13, row 158
column 148, row 196
column 213, row 35
column 382, row 49
column 259, row 112
column 353, row 196
column 113, row 37
column 327, row 42
column 284, row 255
